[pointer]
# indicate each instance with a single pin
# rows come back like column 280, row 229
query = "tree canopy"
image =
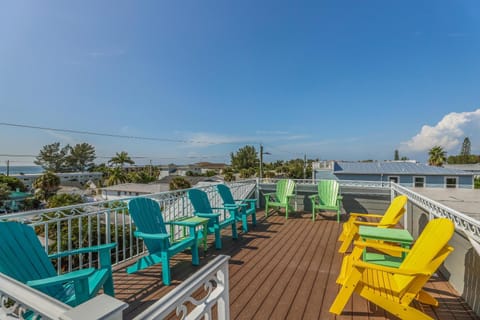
column 46, row 185
column 12, row 183
column 179, row 183
column 437, row 156
column 466, row 147
column 120, row 159
column 244, row 158
column 53, row 157
column 80, row 157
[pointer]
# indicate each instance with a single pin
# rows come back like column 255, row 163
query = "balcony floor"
column 280, row 270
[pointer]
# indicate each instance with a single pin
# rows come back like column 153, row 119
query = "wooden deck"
column 280, row 270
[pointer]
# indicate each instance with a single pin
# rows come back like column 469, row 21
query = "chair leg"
column 218, row 239
column 165, row 269
column 400, row 310
column 266, row 209
column 195, row 257
column 286, row 212
column 254, row 218
column 108, row 285
column 244, row 223
column 234, row 230
column 346, row 292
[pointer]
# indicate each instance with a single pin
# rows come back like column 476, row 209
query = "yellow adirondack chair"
column 393, row 289
column 388, row 220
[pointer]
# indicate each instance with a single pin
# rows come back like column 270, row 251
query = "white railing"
column 96, row 223
column 18, row 301
column 184, row 300
column 464, row 223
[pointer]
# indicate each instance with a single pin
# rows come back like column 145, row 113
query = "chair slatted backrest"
column 147, row 215
column 428, row 246
column 394, row 211
column 328, row 192
column 22, row 256
column 200, row 203
column 225, row 193
column 284, row 188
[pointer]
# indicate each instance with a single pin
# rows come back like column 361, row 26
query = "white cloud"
column 448, row 133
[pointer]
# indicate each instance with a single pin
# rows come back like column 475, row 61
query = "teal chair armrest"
column 208, row 215
column 102, row 247
column 153, row 236
column 247, row 200
column 71, row 276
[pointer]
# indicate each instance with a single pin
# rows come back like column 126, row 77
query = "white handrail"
column 462, row 222
column 18, row 300
column 213, row 278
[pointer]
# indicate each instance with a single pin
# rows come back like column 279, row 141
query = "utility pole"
column 8, row 168
column 305, row 166
column 261, row 162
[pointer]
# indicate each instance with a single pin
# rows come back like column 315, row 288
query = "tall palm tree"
column 116, row 175
column 437, row 156
column 121, row 159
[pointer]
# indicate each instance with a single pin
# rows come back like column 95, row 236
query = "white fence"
column 470, row 226
column 85, row 225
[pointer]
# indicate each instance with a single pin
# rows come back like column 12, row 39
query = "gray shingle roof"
column 393, row 167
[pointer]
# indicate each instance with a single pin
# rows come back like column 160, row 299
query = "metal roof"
column 394, row 167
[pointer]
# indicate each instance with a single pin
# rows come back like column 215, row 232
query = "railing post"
column 257, row 192
column 224, row 300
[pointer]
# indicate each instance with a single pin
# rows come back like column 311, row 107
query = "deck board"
column 282, row 269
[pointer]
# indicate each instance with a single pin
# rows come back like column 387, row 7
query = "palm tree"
column 115, row 176
column 178, row 183
column 121, row 159
column 437, row 156
column 46, row 185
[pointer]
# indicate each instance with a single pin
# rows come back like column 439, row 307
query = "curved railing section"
column 467, row 224
column 213, row 278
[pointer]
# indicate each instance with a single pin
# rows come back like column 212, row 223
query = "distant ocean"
column 21, row 169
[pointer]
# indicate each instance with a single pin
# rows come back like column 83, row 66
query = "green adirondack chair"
column 202, row 208
column 23, row 258
column 281, row 197
column 243, row 207
column 148, row 220
column 328, row 198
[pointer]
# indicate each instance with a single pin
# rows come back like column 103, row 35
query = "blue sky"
column 333, row 79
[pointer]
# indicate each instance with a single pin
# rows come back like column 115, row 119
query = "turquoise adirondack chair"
column 243, row 207
column 281, row 197
column 148, row 220
column 23, row 258
column 202, row 208
column 328, row 198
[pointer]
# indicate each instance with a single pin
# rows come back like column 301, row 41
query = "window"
column 450, row 182
column 419, row 182
column 394, row 179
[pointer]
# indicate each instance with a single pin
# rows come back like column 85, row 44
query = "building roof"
column 192, row 179
column 144, row 188
column 474, row 167
column 394, row 167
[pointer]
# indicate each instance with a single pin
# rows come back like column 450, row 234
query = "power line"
column 111, row 134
